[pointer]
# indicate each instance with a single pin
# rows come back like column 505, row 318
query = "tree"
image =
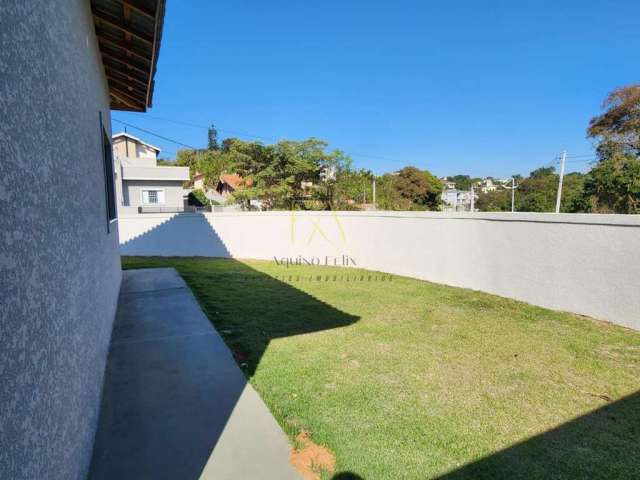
column 351, row 188
column 463, row 182
column 613, row 185
column 212, row 164
column 212, row 138
column 618, row 128
column 187, row 158
column 338, row 185
column 495, row 201
column 278, row 171
column 387, row 196
column 537, row 193
column 416, row 190
column 198, row 198
column 543, row 172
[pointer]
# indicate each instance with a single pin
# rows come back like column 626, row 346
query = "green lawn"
column 408, row 379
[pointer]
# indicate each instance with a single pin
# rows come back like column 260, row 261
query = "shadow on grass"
column 602, row 444
column 346, row 476
column 250, row 308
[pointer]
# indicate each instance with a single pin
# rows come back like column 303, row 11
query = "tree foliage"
column 463, row 182
column 410, row 189
column 537, row 193
column 198, row 198
column 613, row 185
column 617, row 129
column 212, row 138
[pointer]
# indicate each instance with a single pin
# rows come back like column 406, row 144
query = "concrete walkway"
column 175, row 405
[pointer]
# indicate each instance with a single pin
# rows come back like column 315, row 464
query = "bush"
column 198, row 198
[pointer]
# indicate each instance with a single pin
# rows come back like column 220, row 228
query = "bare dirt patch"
column 310, row 459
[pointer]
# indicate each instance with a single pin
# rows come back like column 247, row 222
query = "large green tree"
column 280, row 172
column 411, row 189
column 613, row 185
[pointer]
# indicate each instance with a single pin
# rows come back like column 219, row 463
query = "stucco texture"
column 59, row 264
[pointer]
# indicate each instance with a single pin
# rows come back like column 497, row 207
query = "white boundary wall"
column 587, row 264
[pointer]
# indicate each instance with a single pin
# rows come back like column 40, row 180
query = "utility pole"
column 513, row 194
column 374, row 192
column 562, row 160
column 473, row 199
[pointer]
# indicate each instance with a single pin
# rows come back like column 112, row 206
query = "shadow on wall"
column 596, row 442
column 170, row 236
column 171, row 385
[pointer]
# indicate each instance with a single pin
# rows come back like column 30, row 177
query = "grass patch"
column 409, row 379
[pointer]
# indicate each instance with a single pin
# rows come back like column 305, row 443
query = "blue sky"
column 477, row 87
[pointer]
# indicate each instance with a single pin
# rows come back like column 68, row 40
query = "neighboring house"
column 487, row 185
column 65, row 64
column 210, row 193
column 229, row 183
column 490, row 184
column 457, row 200
column 140, row 182
column 448, row 184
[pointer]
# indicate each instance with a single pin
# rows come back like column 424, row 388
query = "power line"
column 576, row 158
column 203, row 127
column 237, row 132
column 156, row 134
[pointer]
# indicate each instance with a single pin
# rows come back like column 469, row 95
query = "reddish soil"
column 310, row 458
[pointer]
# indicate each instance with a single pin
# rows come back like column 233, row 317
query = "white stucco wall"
column 587, row 264
column 173, row 192
column 59, row 265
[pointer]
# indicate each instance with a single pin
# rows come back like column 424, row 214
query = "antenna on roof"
column 125, row 129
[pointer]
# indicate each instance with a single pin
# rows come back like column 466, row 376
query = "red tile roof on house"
column 234, row 180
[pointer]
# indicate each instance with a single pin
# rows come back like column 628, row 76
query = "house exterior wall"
column 59, row 266
column 135, row 149
column 586, row 264
column 120, row 148
column 173, row 192
column 198, row 182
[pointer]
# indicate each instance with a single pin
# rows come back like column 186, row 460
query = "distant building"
column 211, row 193
column 487, row 185
column 229, row 183
column 448, row 184
column 490, row 184
column 140, row 182
column 457, row 200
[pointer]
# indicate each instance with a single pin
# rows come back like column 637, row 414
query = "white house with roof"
column 457, row 200
column 140, row 182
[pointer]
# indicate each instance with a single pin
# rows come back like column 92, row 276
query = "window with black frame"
column 109, row 186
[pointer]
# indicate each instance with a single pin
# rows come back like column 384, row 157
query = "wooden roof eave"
column 129, row 34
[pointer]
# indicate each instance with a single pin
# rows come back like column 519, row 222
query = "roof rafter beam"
column 133, row 92
column 141, row 9
column 118, row 25
column 110, row 40
column 123, row 77
column 126, row 98
column 125, row 61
